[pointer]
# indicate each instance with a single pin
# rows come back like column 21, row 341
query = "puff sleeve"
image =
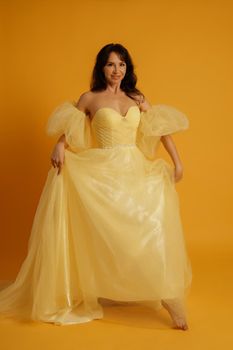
column 75, row 124
column 157, row 121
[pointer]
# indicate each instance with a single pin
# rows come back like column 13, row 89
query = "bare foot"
column 176, row 309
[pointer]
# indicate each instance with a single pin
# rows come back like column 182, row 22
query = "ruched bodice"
column 110, row 128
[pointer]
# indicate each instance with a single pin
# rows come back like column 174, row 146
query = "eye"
column 122, row 64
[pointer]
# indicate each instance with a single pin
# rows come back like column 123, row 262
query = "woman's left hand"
column 178, row 172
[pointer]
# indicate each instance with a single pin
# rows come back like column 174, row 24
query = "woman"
column 108, row 228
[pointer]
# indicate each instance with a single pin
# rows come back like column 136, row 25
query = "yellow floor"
column 130, row 327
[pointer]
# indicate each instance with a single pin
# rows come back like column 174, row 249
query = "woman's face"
column 115, row 69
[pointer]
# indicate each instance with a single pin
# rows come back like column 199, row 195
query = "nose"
column 115, row 69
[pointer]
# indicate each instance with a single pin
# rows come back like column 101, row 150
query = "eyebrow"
column 113, row 62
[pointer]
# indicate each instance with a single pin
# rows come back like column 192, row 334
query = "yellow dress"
column 107, row 227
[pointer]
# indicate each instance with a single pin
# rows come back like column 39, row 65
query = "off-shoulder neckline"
column 113, row 109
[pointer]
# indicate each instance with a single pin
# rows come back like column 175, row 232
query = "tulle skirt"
column 107, row 228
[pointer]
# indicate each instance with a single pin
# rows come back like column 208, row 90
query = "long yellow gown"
column 109, row 226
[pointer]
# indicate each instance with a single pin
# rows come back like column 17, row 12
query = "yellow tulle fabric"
column 108, row 228
column 67, row 119
column 157, row 121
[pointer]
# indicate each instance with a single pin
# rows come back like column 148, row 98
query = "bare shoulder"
column 143, row 103
column 84, row 100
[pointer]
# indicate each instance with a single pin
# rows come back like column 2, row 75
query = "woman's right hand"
column 58, row 156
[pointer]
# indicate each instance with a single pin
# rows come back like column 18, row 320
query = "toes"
column 184, row 327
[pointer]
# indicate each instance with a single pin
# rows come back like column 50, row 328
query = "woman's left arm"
column 170, row 146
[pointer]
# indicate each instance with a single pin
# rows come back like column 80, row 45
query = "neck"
column 114, row 89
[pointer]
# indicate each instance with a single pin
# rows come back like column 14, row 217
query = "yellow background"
column 183, row 54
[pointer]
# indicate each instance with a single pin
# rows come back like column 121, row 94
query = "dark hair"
column 128, row 84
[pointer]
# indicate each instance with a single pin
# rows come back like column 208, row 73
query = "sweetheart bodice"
column 110, row 128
